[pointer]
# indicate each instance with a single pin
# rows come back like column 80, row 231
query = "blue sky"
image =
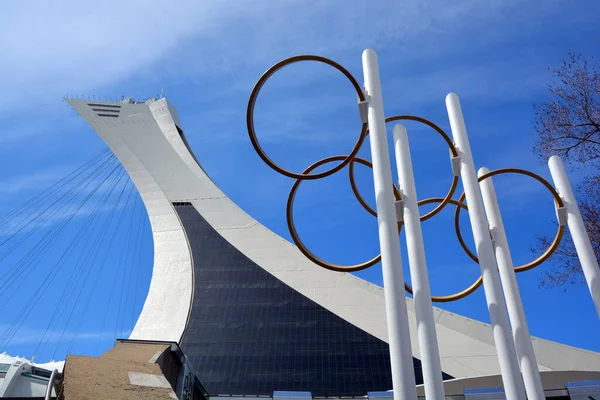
column 206, row 56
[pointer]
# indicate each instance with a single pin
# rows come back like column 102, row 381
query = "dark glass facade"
column 249, row 333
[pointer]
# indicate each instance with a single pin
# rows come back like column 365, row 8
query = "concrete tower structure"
column 248, row 310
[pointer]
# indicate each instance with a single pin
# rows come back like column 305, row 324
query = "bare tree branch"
column 569, row 125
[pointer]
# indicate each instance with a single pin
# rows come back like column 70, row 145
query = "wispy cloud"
column 29, row 335
column 64, row 202
column 78, row 47
column 494, row 82
column 208, row 54
column 33, row 181
column 72, row 46
column 54, row 215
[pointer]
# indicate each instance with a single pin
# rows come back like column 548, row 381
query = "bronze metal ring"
column 559, row 232
column 250, row 117
column 355, row 189
column 352, row 158
column 474, row 285
column 296, row 237
column 453, row 151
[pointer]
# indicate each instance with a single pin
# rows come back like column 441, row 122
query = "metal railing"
column 51, row 385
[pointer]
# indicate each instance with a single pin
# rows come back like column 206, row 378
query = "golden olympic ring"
column 559, row 232
column 352, row 158
column 250, row 117
column 296, row 237
column 453, row 151
column 474, row 285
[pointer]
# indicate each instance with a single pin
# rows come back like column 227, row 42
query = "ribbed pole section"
column 516, row 314
column 403, row 374
column 583, row 246
column 507, row 356
column 428, row 343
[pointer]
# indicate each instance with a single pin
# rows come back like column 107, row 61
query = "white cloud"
column 49, row 208
column 69, row 46
column 74, row 46
column 37, row 180
column 31, row 335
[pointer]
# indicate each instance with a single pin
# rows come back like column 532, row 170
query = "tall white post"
column 523, row 345
column 583, row 246
column 428, row 343
column 507, row 356
column 403, row 374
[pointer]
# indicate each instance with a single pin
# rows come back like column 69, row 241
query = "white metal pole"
column 426, row 333
column 523, row 345
column 507, row 356
column 403, row 374
column 583, row 246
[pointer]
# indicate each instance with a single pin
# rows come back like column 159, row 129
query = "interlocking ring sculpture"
column 351, row 159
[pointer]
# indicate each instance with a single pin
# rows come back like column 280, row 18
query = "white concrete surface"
column 552, row 381
column 139, row 143
column 163, row 171
column 148, row 380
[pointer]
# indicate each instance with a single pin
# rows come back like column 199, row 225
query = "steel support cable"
column 23, row 310
column 74, row 278
column 48, row 192
column 34, row 299
column 40, row 254
column 35, row 213
column 83, row 264
column 40, row 249
column 43, row 245
column 126, row 253
column 34, row 218
column 18, row 322
column 54, row 207
column 32, row 258
column 63, row 299
column 18, row 268
column 9, row 333
column 60, row 206
column 112, row 288
column 136, row 251
column 101, row 264
column 121, row 217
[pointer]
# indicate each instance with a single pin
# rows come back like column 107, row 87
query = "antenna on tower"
column 161, row 93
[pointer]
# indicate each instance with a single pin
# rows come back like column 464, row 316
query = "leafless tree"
column 568, row 124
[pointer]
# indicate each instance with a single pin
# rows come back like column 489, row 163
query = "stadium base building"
column 239, row 311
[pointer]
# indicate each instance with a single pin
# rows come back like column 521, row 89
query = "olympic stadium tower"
column 247, row 312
